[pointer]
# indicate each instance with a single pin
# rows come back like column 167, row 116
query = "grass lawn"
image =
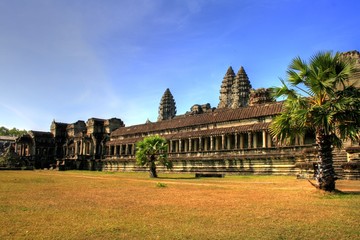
column 100, row 205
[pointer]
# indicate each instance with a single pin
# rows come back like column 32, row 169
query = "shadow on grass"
column 347, row 192
column 338, row 192
column 177, row 178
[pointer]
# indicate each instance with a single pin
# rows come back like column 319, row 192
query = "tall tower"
column 240, row 89
column 167, row 108
column 225, row 90
column 355, row 56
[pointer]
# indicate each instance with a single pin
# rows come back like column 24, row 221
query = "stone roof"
column 41, row 134
column 195, row 134
column 8, row 138
column 219, row 115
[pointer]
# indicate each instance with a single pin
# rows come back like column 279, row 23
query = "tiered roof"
column 218, row 116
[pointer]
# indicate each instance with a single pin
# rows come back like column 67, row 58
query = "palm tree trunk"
column 325, row 173
column 152, row 167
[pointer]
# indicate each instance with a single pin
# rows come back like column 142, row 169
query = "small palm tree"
column 321, row 100
column 151, row 151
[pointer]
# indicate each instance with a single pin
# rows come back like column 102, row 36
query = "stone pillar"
column 211, row 143
column 223, row 142
column 170, row 146
column 21, row 150
column 302, row 140
column 236, row 141
column 177, row 146
column 180, row 145
column 264, row 138
column 255, row 140
column 116, row 150
column 269, row 141
column 297, row 140
column 190, row 145
column 81, row 147
column 127, row 149
column 249, row 140
column 241, row 146
column 229, row 141
column 76, row 147
column 200, row 144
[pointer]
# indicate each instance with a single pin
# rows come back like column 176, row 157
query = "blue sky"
column 76, row 59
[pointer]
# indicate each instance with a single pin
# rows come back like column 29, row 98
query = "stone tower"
column 355, row 56
column 167, row 108
column 225, row 90
column 240, row 89
column 260, row 96
column 235, row 90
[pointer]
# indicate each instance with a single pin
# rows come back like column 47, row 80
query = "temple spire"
column 241, row 89
column 235, row 90
column 167, row 108
column 225, row 90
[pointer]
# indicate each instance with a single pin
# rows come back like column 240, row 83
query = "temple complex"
column 233, row 138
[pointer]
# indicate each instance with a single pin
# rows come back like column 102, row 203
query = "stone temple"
column 232, row 138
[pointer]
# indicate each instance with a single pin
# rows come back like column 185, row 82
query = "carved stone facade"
column 76, row 145
column 36, row 148
column 260, row 96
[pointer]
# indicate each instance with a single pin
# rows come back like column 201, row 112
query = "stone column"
column 264, row 138
column 180, row 145
column 211, row 143
column 81, row 147
column 190, row 145
column 200, row 144
column 229, row 141
column 269, row 141
column 241, row 146
column 297, row 140
column 223, row 142
column 171, row 146
column 76, row 147
column 176, row 146
column 249, row 140
column 255, row 140
column 302, row 140
column 116, row 150
column 235, row 141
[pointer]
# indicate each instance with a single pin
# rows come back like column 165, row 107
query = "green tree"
column 10, row 158
column 11, row 132
column 319, row 98
column 151, row 151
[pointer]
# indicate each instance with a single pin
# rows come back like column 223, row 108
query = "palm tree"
column 319, row 99
column 151, row 151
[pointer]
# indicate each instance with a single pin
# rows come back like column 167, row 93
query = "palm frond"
column 330, row 106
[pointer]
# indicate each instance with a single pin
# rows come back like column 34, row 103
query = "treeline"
column 14, row 132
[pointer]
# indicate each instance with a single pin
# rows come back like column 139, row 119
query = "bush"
column 161, row 185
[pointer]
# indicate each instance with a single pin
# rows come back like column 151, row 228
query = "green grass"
column 98, row 205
